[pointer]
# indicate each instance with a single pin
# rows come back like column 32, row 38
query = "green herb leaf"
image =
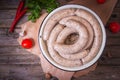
column 35, row 7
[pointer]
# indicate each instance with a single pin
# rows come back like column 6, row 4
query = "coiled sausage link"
column 97, row 31
column 85, row 23
column 61, row 38
column 56, row 57
column 81, row 42
column 54, row 19
column 64, row 34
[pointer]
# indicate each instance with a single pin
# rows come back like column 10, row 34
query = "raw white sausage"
column 55, row 56
column 61, row 38
column 64, row 34
column 97, row 31
column 81, row 42
column 86, row 24
column 54, row 19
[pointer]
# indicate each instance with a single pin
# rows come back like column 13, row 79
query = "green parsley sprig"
column 35, row 7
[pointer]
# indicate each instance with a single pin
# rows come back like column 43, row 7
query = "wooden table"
column 18, row 64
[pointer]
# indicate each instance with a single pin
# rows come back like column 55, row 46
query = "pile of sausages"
column 66, row 22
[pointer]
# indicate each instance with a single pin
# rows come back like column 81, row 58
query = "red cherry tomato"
column 27, row 43
column 114, row 27
column 101, row 1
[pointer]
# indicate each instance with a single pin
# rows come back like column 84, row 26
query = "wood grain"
column 18, row 64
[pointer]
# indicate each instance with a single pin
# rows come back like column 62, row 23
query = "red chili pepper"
column 20, row 7
column 20, row 12
column 17, row 19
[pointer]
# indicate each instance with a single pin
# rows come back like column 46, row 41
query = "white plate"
column 45, row 52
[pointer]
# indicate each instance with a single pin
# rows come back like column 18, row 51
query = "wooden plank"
column 19, row 59
column 21, row 72
column 8, row 41
column 115, row 15
column 110, row 34
column 103, row 73
column 111, row 41
column 118, row 4
column 6, row 23
column 4, row 32
column 109, row 61
column 9, row 14
column 114, row 19
column 34, row 72
column 8, row 4
column 12, row 50
column 116, row 10
column 112, row 51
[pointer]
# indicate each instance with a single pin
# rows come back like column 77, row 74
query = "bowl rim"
column 42, row 44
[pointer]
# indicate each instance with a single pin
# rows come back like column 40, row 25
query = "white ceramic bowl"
column 46, row 53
